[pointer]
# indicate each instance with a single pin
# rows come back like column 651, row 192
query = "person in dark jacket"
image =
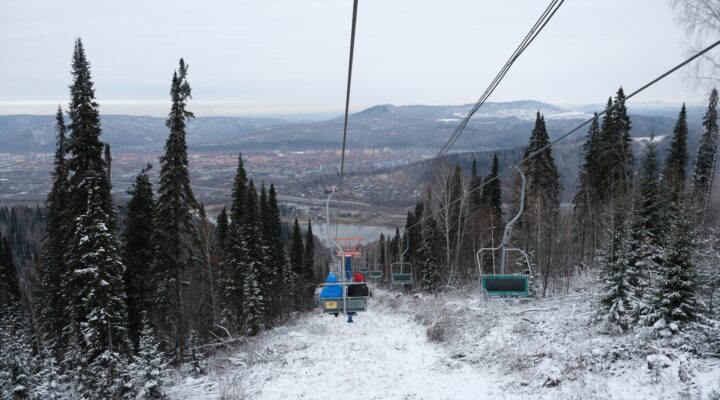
column 358, row 289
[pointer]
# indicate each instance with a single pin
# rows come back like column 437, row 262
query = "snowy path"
column 380, row 356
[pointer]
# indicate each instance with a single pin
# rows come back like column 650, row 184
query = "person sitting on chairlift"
column 333, row 290
column 359, row 289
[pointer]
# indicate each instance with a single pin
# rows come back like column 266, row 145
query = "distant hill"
column 36, row 133
column 495, row 126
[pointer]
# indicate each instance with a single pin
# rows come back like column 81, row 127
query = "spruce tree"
column 232, row 275
column 619, row 298
column 222, row 233
column 284, row 287
column 95, row 300
column 253, row 263
column 239, row 193
column 615, row 158
column 622, row 126
column 53, row 268
column 138, row 253
column 677, row 157
column 704, row 165
column 542, row 202
column 646, row 231
column 309, row 257
column 148, row 367
column 174, row 232
column 296, row 250
column 269, row 272
column 587, row 197
column 9, row 284
column 277, row 246
column 673, row 302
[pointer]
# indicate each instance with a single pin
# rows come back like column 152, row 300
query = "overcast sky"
column 290, row 56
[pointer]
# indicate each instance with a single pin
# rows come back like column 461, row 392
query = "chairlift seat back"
column 354, row 304
column 402, row 278
column 506, row 285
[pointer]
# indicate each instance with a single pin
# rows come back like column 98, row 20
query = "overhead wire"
column 529, row 38
column 570, row 132
column 347, row 111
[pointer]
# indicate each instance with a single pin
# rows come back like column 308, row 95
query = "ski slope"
column 380, row 356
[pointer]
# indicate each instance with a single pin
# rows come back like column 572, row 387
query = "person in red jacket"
column 358, row 289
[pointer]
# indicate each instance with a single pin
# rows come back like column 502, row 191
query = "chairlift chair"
column 341, row 305
column 402, row 272
column 375, row 272
column 502, row 284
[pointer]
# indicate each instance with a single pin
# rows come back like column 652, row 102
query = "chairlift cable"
column 524, row 44
column 347, row 110
column 570, row 132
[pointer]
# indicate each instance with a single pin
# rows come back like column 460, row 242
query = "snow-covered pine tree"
column 286, row 278
column 95, row 301
column 174, row 233
column 270, row 272
column 622, row 126
column 146, row 373
column 615, row 154
column 52, row 264
column 429, row 252
column 232, row 274
column 646, row 231
column 9, row 284
column 100, row 303
column 587, row 194
column 277, row 245
column 239, row 193
column 16, row 358
column 704, row 165
column 253, row 301
column 542, row 204
column 222, row 233
column 309, row 258
column 138, row 252
column 677, row 158
column 255, row 291
column 296, row 250
column 673, row 300
column 618, row 299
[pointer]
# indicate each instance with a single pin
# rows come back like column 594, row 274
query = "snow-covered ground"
column 457, row 346
column 383, row 355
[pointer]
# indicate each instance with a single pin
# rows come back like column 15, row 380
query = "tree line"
column 645, row 232
column 114, row 302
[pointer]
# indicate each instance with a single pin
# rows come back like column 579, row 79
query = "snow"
column 383, row 355
column 454, row 346
column 527, row 114
column 646, row 139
